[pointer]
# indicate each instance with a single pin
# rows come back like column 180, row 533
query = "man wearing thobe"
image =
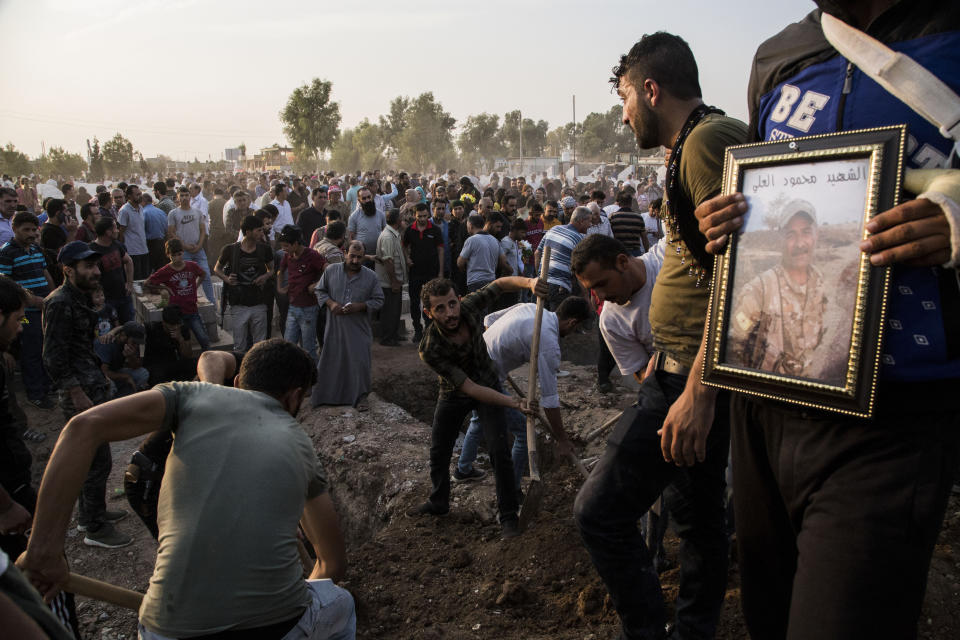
column 349, row 290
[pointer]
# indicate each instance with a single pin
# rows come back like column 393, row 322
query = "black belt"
column 669, row 364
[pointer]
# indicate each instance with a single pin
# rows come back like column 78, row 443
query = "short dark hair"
column 103, row 225
column 438, row 203
column 317, row 190
column 596, row 248
column 597, row 193
column 332, row 214
column 174, row 245
column 278, row 189
column 475, row 221
column 518, row 224
column 104, row 199
column 172, row 314
column 160, row 187
column 67, row 187
column 336, row 230
column 24, row 217
column 249, row 223
column 393, row 217
column 576, row 308
column 421, row 206
column 662, row 57
column 129, row 189
column 625, row 199
column 271, row 210
column 657, row 204
column 7, row 191
column 12, row 296
column 53, row 206
column 276, row 366
column 87, row 210
column 436, row 287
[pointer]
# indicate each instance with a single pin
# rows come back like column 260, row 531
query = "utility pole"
column 574, row 134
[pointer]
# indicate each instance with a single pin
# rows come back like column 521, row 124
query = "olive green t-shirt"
column 235, row 484
column 678, row 307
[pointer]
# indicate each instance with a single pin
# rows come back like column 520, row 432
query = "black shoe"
column 510, row 529
column 428, row 509
column 471, row 476
column 605, row 387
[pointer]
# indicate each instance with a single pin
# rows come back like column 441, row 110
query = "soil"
column 452, row 577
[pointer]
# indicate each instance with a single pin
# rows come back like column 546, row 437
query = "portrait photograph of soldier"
column 798, row 249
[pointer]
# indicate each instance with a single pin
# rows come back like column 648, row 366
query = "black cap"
column 74, row 251
column 134, row 332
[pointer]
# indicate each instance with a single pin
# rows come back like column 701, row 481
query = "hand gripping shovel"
column 531, row 502
column 103, row 591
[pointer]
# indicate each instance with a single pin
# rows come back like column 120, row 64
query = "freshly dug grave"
column 452, row 577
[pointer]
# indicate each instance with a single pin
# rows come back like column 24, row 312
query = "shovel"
column 103, row 591
column 531, row 502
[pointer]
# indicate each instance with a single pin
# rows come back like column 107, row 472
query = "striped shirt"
column 562, row 240
column 628, row 228
column 25, row 267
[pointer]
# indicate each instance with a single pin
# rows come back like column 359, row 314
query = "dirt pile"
column 452, row 577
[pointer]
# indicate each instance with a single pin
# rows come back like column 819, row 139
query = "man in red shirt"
column 180, row 279
column 303, row 266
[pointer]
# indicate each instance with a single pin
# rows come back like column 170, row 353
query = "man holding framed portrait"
column 675, row 440
column 837, row 516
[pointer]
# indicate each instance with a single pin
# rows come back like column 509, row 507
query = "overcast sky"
column 191, row 77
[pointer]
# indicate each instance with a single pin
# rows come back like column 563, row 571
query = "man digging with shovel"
column 454, row 348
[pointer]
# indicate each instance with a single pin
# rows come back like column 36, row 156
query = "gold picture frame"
column 796, row 311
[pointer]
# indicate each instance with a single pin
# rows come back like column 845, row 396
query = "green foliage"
column 310, row 119
column 426, row 140
column 13, row 162
column 480, row 140
column 117, row 155
column 95, row 173
column 393, row 124
column 604, row 135
column 359, row 148
column 534, row 135
column 58, row 162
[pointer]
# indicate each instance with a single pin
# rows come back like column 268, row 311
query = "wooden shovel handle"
column 104, row 591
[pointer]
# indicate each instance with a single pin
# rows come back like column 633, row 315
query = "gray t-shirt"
column 186, row 224
column 134, row 235
column 367, row 228
column 482, row 252
column 234, row 488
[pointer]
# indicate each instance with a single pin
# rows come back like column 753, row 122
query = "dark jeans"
column 141, row 266
column 416, row 314
column 35, row 379
column 557, row 295
column 476, row 286
column 124, row 307
column 390, row 314
column 156, row 253
column 627, row 480
column 93, row 496
column 447, row 421
column 605, row 361
column 837, row 517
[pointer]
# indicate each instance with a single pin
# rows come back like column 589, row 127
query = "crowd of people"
column 818, row 498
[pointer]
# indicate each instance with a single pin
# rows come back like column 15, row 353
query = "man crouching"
column 240, row 475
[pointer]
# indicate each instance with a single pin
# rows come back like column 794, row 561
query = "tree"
column 117, row 155
column 243, row 149
column 426, row 140
column 61, row 163
column 310, row 119
column 96, row 161
column 13, row 162
column 534, row 135
column 480, row 140
column 394, row 123
column 604, row 135
column 561, row 138
column 359, row 148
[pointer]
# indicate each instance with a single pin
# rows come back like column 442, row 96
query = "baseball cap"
column 74, row 251
column 795, row 207
column 333, row 188
column 134, row 332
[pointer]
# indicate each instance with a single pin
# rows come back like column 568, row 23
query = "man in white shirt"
column 285, row 213
column 201, row 204
column 190, row 226
column 599, row 223
column 508, row 336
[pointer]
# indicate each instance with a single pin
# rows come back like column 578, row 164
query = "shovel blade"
column 531, row 504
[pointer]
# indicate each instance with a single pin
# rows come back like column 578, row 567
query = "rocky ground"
column 452, row 577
